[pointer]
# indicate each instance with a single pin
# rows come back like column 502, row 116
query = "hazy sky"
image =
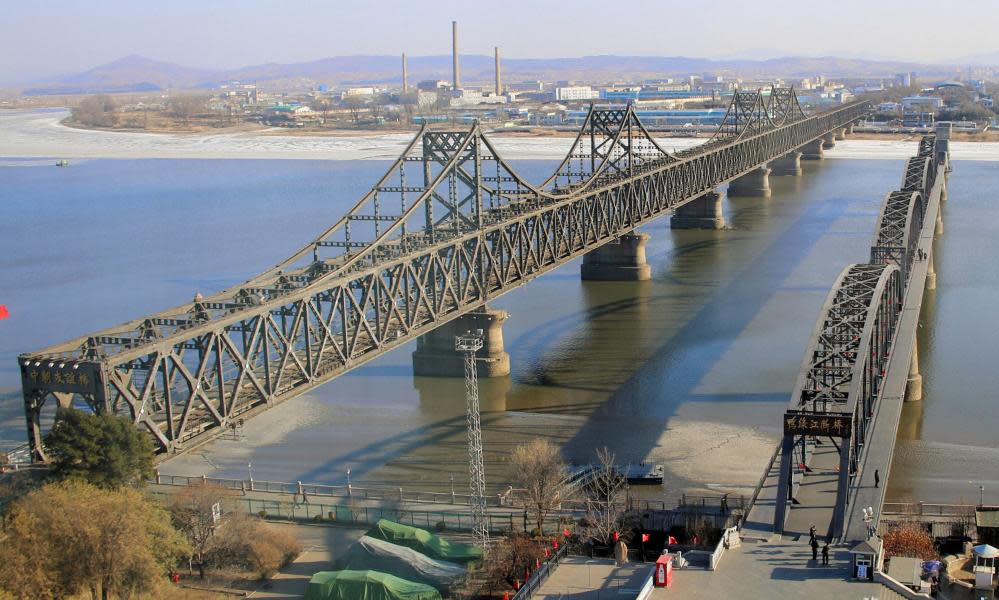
column 39, row 38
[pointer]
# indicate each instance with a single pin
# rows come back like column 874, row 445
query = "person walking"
column 811, row 534
column 825, row 554
column 815, row 548
column 877, row 478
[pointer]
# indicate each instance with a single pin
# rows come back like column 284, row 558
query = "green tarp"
column 424, row 542
column 366, row 585
column 378, row 555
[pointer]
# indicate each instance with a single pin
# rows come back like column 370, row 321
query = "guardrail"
column 759, row 485
column 927, row 509
column 535, row 581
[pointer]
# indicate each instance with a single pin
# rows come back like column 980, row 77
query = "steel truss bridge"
column 449, row 227
column 844, row 369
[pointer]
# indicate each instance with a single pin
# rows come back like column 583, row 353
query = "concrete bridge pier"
column 849, row 129
column 914, row 384
column 622, row 259
column 789, row 164
column 840, row 134
column 703, row 212
column 755, row 183
column 931, row 274
column 829, row 140
column 938, row 228
column 812, row 150
column 435, row 355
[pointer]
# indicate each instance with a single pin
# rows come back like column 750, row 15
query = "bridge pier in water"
column 938, row 228
column 931, row 274
column 840, row 134
column 812, row 150
column 435, row 355
column 787, row 165
column 914, row 384
column 829, row 140
column 703, row 212
column 755, row 183
column 622, row 259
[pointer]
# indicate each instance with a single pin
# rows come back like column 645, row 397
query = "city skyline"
column 263, row 31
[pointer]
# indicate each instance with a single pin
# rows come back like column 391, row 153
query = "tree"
column 909, row 539
column 193, row 512
column 354, row 104
column 541, row 471
column 511, row 557
column 105, row 450
column 246, row 542
column 322, row 106
column 605, row 502
column 70, row 537
column 96, row 111
column 185, row 106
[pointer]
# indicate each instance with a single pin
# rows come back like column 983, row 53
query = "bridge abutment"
column 787, row 165
column 703, row 212
column 914, row 384
column 755, row 183
column 622, row 259
column 812, row 150
column 829, row 140
column 435, row 355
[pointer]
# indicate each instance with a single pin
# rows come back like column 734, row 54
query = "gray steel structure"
column 843, row 371
column 449, row 227
column 469, row 344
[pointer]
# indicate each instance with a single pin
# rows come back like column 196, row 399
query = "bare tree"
column 321, row 106
column 186, row 106
column 96, row 111
column 541, row 472
column 195, row 511
column 605, row 502
column 354, row 105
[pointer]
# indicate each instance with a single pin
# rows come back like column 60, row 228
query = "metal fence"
column 538, row 578
column 927, row 509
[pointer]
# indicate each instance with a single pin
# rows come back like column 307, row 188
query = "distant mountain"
column 136, row 73
column 989, row 59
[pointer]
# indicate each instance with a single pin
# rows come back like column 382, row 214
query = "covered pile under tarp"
column 379, row 555
column 366, row 585
column 424, row 542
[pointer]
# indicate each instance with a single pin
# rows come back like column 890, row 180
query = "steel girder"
column 919, row 176
column 447, row 228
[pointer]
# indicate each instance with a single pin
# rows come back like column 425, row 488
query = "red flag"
column 537, row 563
column 671, row 541
column 555, row 544
column 616, row 536
column 3, row 311
column 566, row 532
column 645, row 537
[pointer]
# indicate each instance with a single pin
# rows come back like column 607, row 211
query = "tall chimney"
column 499, row 81
column 454, row 55
column 405, row 75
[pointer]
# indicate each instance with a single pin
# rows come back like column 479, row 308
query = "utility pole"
column 470, row 343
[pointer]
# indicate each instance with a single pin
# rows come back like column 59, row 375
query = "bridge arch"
column 919, row 175
column 897, row 232
column 841, row 378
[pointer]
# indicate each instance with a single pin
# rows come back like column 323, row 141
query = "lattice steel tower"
column 470, row 343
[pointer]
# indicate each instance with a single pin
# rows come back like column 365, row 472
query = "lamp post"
column 981, row 495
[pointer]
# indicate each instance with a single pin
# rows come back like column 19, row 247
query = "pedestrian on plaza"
column 815, row 548
column 877, row 478
column 811, row 534
column 825, row 554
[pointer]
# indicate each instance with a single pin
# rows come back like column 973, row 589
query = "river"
column 692, row 369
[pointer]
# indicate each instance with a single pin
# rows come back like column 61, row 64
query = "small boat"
column 62, row 163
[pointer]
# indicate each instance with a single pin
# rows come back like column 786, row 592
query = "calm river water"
column 691, row 369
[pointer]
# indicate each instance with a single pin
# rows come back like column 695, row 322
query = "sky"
column 43, row 38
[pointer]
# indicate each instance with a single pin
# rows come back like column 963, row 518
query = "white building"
column 576, row 92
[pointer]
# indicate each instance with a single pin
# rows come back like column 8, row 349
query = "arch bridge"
column 449, row 227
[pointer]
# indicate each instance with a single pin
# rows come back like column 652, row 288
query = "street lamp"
column 348, row 476
column 981, row 494
column 249, row 467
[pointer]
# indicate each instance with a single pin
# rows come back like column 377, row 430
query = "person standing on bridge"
column 815, row 548
column 877, row 478
column 825, row 554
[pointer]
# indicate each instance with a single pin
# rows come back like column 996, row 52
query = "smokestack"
column 454, row 55
column 405, row 75
column 499, row 81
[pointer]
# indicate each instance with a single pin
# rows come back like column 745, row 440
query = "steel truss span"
column 843, row 372
column 449, row 227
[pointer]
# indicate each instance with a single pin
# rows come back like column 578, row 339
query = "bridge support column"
column 829, row 140
column 435, row 355
column 622, row 259
column 938, row 229
column 755, row 183
column 812, row 150
column 789, row 164
column 840, row 134
column 914, row 385
column 703, row 212
column 931, row 274
column 785, row 483
column 849, row 129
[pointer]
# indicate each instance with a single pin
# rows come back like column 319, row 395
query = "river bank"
column 40, row 134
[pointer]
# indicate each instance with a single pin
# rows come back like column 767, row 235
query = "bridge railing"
column 927, row 509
